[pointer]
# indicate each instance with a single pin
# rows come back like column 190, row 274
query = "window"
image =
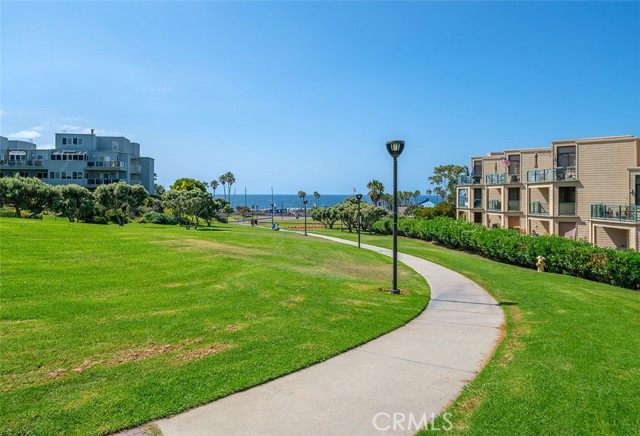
column 566, row 156
column 477, row 217
column 637, row 189
column 79, row 141
column 75, row 141
column 514, row 163
column 52, row 175
column 39, row 157
column 514, row 199
column 567, row 200
column 41, row 175
column 64, row 141
column 114, row 145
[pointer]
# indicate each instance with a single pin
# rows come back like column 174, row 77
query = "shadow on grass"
column 507, row 303
column 210, row 229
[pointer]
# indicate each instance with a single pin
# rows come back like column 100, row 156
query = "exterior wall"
column 606, row 170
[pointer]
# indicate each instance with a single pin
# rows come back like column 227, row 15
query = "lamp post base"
column 394, row 291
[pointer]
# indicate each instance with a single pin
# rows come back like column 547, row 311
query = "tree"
column 302, row 195
column 159, row 189
column 326, row 215
column 223, row 181
column 376, row 189
column 445, row 179
column 187, row 184
column 440, row 209
column 316, row 194
column 26, row 193
column 231, row 179
column 120, row 196
column 75, row 202
column 214, row 186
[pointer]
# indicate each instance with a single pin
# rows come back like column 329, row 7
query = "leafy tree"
column 75, row 202
column 187, row 184
column 227, row 210
column 326, row 215
column 26, row 193
column 442, row 208
column 243, row 210
column 214, row 186
column 376, row 189
column 159, row 189
column 445, row 179
column 120, row 196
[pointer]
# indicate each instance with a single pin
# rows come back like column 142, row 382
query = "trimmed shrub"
column 159, row 218
column 564, row 256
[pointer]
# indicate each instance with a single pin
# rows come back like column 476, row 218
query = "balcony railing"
column 477, row 203
column 514, row 205
column 21, row 163
column 494, row 179
column 566, row 208
column 136, row 168
column 552, row 175
column 615, row 212
column 538, row 208
column 494, row 205
column 513, row 178
column 106, row 164
column 95, row 182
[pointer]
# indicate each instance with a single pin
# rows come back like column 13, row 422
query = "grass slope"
column 107, row 327
column 569, row 363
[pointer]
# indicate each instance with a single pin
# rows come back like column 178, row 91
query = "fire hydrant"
column 540, row 263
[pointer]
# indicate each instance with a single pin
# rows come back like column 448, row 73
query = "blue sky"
column 303, row 95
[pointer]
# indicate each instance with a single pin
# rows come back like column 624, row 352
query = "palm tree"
column 317, row 195
column 416, row 194
column 223, row 180
column 214, row 186
column 231, row 179
column 376, row 189
column 302, row 196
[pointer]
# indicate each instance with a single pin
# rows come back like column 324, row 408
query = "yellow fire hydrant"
column 540, row 263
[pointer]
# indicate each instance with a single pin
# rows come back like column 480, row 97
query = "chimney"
column 92, row 131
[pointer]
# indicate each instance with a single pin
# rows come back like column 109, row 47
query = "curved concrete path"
column 413, row 372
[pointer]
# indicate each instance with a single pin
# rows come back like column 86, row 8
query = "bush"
column 97, row 220
column 159, row 218
column 564, row 256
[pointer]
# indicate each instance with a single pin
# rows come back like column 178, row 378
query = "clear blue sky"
column 303, row 95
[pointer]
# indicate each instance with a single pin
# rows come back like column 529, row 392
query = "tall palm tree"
column 317, row 195
column 231, row 179
column 376, row 189
column 214, row 186
column 416, row 194
column 223, row 180
column 302, row 196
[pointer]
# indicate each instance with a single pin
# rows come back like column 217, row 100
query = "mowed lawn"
column 106, row 327
column 570, row 361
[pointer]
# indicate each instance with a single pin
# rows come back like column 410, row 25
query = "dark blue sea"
column 288, row 201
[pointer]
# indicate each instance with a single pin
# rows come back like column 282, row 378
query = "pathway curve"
column 408, row 374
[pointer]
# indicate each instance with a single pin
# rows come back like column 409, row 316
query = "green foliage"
column 187, row 184
column 445, row 179
column 26, row 193
column 347, row 213
column 159, row 218
column 376, row 190
column 118, row 197
column 75, row 202
column 564, row 256
column 191, row 204
column 440, row 209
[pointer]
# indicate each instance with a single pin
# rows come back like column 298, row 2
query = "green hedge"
column 564, row 256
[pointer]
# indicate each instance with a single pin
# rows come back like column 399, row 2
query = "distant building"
column 579, row 189
column 84, row 159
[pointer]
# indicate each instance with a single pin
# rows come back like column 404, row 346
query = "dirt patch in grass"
column 210, row 246
column 513, row 341
column 236, row 327
column 293, row 301
column 199, row 353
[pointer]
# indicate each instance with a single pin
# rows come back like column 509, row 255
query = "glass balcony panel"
column 464, row 180
column 514, row 205
column 494, row 179
column 477, row 203
column 615, row 212
column 494, row 205
column 538, row 208
column 566, row 208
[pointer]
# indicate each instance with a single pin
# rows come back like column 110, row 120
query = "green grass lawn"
column 106, row 327
column 570, row 362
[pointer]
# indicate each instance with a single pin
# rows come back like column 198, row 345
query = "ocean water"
column 289, row 201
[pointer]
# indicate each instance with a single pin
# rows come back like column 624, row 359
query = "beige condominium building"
column 580, row 189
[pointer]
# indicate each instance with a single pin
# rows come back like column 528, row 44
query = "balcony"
column 105, row 164
column 20, row 163
column 469, row 180
column 477, row 203
column 538, row 208
column 514, row 205
column 494, row 205
column 136, row 168
column 513, row 178
column 615, row 212
column 96, row 182
column 494, row 179
column 566, row 208
column 552, row 175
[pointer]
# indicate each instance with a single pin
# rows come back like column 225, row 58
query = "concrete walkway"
column 388, row 385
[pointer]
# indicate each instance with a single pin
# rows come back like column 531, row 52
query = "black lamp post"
column 305, row 216
column 273, row 207
column 359, row 197
column 395, row 149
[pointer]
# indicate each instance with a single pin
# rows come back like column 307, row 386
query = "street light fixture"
column 359, row 197
column 305, row 216
column 395, row 149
